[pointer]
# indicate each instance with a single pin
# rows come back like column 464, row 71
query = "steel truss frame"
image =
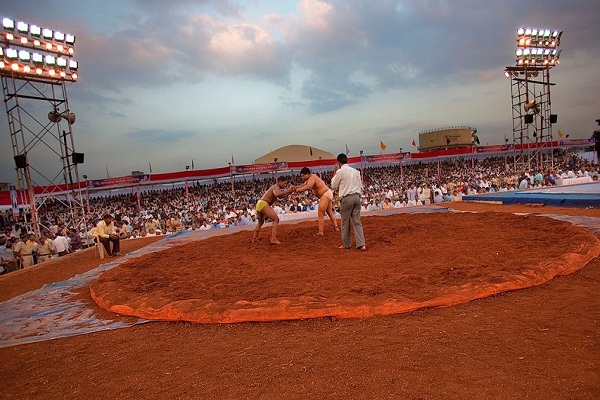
column 531, row 83
column 41, row 130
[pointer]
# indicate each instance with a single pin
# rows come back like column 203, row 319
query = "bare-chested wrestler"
column 263, row 207
column 325, row 195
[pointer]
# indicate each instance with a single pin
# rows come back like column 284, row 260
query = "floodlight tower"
column 537, row 52
column 35, row 64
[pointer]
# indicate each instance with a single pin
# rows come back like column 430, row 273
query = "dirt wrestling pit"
column 414, row 260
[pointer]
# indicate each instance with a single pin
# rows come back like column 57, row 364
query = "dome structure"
column 294, row 153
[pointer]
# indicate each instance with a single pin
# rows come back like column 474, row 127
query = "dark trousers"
column 106, row 243
column 350, row 210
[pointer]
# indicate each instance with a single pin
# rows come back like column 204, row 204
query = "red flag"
column 413, row 143
column 232, row 162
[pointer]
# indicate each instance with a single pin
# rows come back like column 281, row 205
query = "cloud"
column 159, row 136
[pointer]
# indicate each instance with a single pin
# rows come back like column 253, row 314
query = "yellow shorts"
column 260, row 205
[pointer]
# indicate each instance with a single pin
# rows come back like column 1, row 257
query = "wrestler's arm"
column 308, row 185
column 282, row 193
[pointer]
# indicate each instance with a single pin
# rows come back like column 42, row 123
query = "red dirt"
column 539, row 342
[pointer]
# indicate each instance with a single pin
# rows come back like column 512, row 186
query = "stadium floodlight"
column 50, row 60
column 73, row 65
column 8, row 24
column 12, row 54
column 35, row 31
column 37, row 51
column 37, row 58
column 22, row 27
column 24, row 55
column 61, row 63
column 47, row 33
column 538, row 37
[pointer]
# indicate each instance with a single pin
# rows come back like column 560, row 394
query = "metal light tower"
column 35, row 64
column 537, row 52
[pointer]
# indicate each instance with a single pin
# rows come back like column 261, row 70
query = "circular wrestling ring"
column 414, row 260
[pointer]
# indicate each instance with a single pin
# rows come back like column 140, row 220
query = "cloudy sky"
column 168, row 82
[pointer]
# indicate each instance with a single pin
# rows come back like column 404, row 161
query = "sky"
column 167, row 82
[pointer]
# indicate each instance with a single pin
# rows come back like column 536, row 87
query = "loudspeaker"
column 77, row 158
column 528, row 118
column 553, row 118
column 21, row 161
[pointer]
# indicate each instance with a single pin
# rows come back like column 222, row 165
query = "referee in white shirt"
column 348, row 183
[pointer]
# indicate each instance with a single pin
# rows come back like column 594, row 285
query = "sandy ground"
column 539, row 342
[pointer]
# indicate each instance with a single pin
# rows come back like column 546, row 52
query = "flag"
column 107, row 174
column 150, row 166
column 272, row 158
column 560, row 133
column 232, row 161
column 447, row 140
column 192, row 163
column 310, row 150
column 383, row 146
column 347, row 150
column 413, row 143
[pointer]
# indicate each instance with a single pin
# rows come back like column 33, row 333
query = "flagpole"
column 231, row 177
column 401, row 159
column 361, row 167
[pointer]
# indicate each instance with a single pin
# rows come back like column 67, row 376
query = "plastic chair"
column 99, row 246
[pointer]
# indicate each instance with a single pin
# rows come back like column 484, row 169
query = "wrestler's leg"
column 270, row 213
column 323, row 203
column 332, row 216
column 261, row 221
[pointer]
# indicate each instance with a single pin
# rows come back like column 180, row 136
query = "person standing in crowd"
column 74, row 239
column 7, row 257
column 263, row 207
column 45, row 248
column 325, row 195
column 348, row 183
column 107, row 234
column 61, row 244
column 24, row 250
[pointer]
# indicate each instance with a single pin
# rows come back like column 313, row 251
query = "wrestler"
column 325, row 195
column 263, row 207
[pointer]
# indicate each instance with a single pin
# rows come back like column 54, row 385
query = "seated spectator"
column 122, row 230
column 387, row 204
column 107, row 234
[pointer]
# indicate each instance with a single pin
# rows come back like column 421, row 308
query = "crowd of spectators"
column 216, row 206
